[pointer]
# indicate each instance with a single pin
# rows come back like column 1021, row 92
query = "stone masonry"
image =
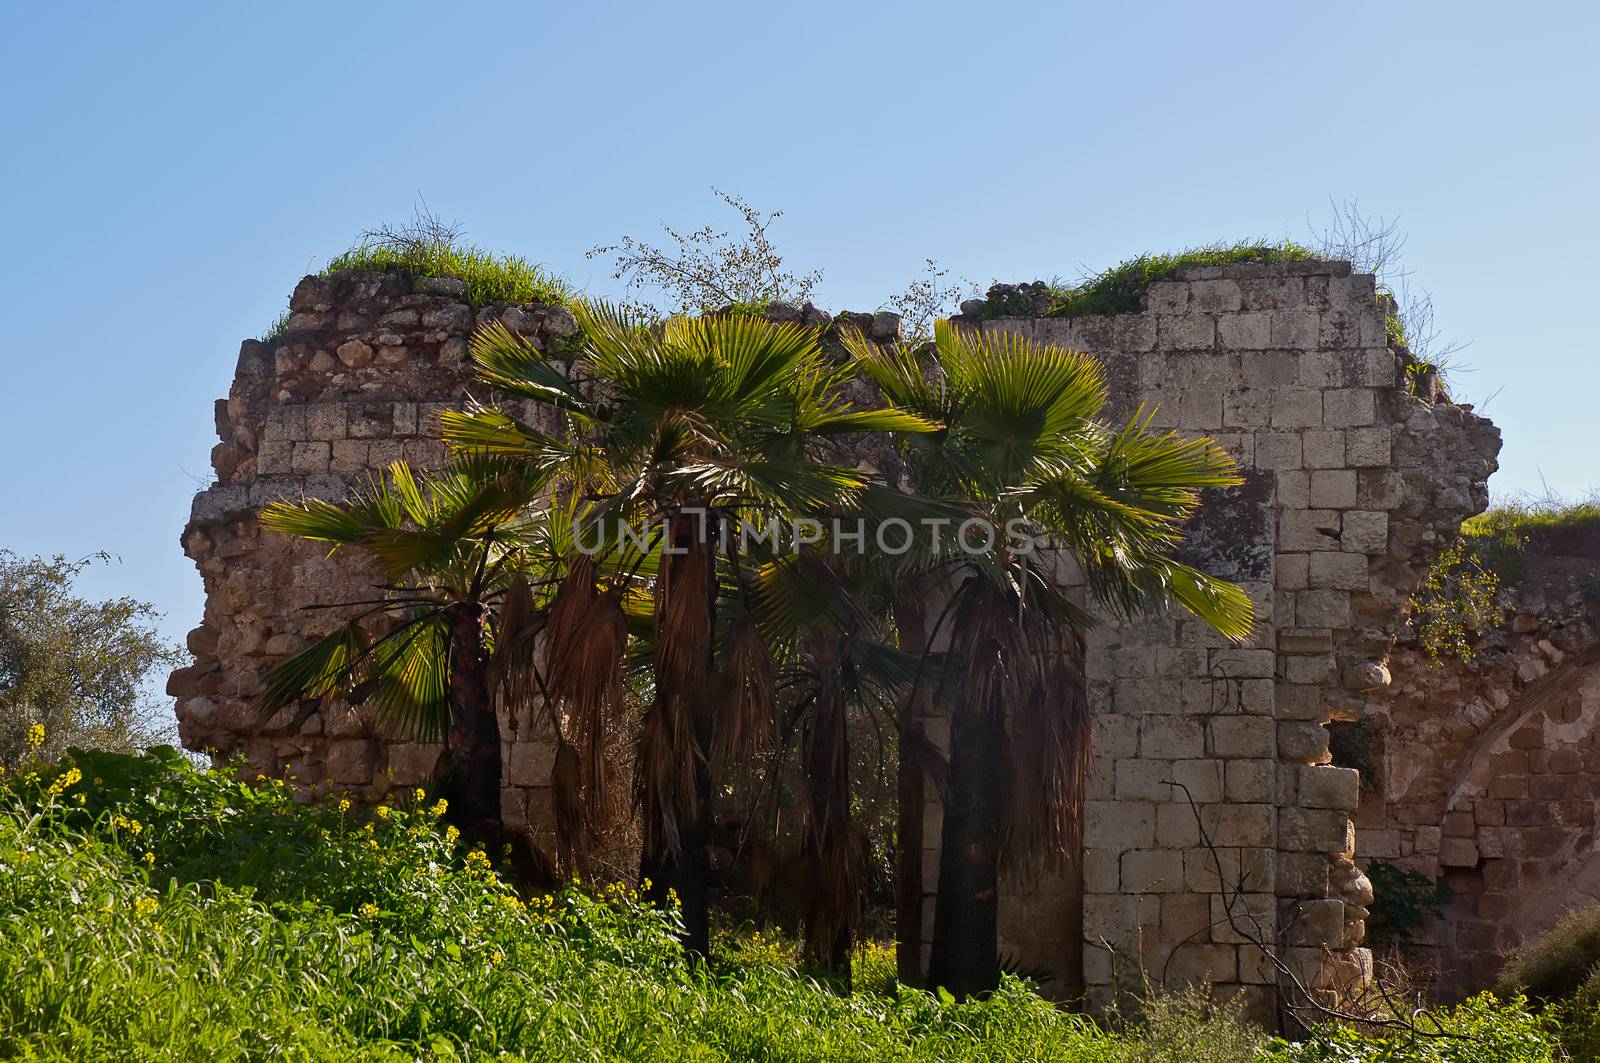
column 1486, row 773
column 1351, row 485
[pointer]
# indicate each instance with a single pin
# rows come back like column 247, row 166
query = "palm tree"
column 692, row 428
column 1021, row 444
column 451, row 549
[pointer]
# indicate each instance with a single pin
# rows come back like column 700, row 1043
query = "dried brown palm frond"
column 664, row 777
column 1048, row 755
column 513, row 668
column 747, row 680
column 588, row 638
column 566, row 802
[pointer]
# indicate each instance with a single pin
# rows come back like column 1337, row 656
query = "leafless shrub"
column 928, row 297
column 1375, row 244
column 708, row 268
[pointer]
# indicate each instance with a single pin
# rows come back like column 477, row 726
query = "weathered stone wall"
column 1351, row 484
column 357, row 382
column 1487, row 773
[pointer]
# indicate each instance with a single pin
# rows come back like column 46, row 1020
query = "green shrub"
column 150, row 909
column 1558, row 963
column 1120, row 289
column 1457, row 601
column 1193, row 1026
column 1403, row 900
column 1480, row 1030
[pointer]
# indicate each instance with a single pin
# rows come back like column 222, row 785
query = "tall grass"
column 491, row 279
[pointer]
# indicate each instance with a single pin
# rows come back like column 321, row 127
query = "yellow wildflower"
column 145, row 906
column 451, row 833
column 496, row 958
column 150, row 857
column 382, row 812
column 440, row 807
column 420, row 794
column 36, row 736
column 369, row 910
column 344, row 804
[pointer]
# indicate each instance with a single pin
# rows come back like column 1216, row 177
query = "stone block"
column 1295, row 329
column 1278, row 450
column 349, row 455
column 310, row 458
column 1144, row 780
column 1214, row 296
column 351, row 762
column 1237, row 917
column 1250, row 869
column 1338, row 571
column 1152, row 871
column 1192, row 962
column 1458, row 852
column 1119, row 825
column 1322, row 608
column 369, row 420
column 1191, row 332
column 1244, row 737
column 1329, row 786
column 1312, row 923
column 528, row 763
column 1315, row 830
column 1101, row 871
column 1297, row 408
column 1348, row 407
column 1272, row 293
column 1239, row 825
column 1366, row 531
column 1114, row 735
column 1333, row 488
column 325, row 421
column 1168, row 298
column 1250, row 781
column 1293, row 572
column 1303, row 874
column 1249, row 408
column 1324, row 449
column 1203, row 780
column 275, row 459
column 1245, row 331
column 1308, row 530
column 1303, row 741
column 1176, row 825
column 1171, row 737
column 411, row 763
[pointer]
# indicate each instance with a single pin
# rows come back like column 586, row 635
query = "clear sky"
column 170, row 170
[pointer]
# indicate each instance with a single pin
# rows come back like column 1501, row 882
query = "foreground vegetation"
column 153, row 910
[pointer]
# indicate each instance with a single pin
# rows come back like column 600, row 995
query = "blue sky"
column 170, row 171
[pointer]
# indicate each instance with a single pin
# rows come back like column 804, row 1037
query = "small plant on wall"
column 1455, row 603
column 1404, row 899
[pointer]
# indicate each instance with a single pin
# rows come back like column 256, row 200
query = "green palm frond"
column 409, row 673
column 512, row 364
column 329, row 666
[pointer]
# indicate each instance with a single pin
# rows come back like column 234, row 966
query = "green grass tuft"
column 1496, row 539
column 491, row 279
column 1120, row 289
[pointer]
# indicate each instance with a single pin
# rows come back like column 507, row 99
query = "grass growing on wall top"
column 491, row 279
column 1120, row 289
column 1496, row 537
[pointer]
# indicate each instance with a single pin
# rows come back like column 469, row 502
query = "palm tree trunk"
column 473, row 787
column 911, row 621
column 966, row 959
column 834, row 891
column 686, row 693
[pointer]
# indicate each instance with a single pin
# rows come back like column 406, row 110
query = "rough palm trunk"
column 965, row 957
column 686, row 693
column 909, row 812
column 473, row 787
column 834, row 892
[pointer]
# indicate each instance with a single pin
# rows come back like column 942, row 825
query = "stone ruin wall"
column 1351, row 485
column 1487, row 773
